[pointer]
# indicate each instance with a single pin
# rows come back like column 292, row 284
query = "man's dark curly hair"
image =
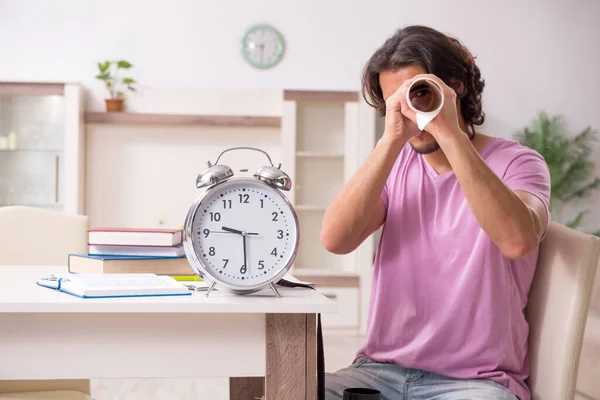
column 437, row 54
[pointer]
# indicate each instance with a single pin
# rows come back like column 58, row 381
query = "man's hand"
column 445, row 125
column 395, row 105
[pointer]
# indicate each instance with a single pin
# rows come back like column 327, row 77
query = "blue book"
column 123, row 264
column 114, row 285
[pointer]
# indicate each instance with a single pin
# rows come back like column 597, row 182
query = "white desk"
column 45, row 334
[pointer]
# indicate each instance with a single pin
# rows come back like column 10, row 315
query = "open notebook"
column 114, row 285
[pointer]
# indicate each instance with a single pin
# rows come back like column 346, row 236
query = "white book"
column 146, row 251
column 135, row 237
column 114, row 285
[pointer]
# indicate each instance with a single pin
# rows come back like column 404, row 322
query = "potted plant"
column 569, row 161
column 116, row 85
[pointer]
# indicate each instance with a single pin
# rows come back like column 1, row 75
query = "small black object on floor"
column 361, row 394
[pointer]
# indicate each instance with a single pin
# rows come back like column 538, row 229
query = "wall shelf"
column 326, row 278
column 314, row 154
column 320, row 95
column 310, row 207
column 318, row 181
column 126, row 118
column 32, row 88
column 320, row 145
column 26, row 150
column 36, row 205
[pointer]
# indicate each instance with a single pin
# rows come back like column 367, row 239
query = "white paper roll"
column 424, row 117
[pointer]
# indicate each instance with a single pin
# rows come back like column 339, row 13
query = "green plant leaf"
column 103, row 77
column 120, row 94
column 131, row 88
column 109, row 84
column 571, row 178
column 584, row 137
column 128, row 81
column 124, row 64
column 575, row 222
column 569, row 159
column 103, row 67
column 542, row 128
column 584, row 190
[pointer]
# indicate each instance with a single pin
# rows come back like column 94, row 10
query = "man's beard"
column 427, row 149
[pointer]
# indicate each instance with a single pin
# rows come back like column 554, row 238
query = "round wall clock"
column 263, row 46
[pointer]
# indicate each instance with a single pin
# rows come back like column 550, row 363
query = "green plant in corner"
column 569, row 162
column 108, row 72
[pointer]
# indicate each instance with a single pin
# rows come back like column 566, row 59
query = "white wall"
column 136, row 178
column 534, row 55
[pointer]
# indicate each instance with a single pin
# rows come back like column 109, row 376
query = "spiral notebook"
column 114, row 285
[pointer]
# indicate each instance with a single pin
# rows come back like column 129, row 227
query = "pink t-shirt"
column 444, row 298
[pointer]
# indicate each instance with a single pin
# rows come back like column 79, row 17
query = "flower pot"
column 114, row 105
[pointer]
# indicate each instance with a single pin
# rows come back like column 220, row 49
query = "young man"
column 463, row 216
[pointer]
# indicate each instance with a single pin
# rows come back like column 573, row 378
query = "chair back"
column 557, row 310
column 35, row 236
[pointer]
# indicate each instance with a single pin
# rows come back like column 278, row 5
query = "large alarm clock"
column 242, row 234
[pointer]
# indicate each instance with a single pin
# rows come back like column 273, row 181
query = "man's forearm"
column 507, row 220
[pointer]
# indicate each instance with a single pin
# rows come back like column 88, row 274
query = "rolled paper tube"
column 426, row 98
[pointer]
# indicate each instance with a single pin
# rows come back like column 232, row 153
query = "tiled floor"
column 339, row 352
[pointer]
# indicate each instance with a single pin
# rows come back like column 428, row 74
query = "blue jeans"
column 398, row 383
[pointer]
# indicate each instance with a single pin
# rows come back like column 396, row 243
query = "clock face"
column 244, row 233
column 263, row 46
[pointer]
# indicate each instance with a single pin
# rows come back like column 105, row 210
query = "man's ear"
column 458, row 86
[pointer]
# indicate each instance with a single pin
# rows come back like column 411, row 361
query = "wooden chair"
column 33, row 236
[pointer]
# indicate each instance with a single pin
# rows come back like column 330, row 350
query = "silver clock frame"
column 202, row 270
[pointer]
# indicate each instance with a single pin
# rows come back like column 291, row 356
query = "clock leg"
column 274, row 289
column 210, row 288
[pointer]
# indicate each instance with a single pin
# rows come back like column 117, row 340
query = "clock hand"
column 226, row 229
column 245, row 263
column 231, row 230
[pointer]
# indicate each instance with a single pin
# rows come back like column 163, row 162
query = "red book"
column 135, row 237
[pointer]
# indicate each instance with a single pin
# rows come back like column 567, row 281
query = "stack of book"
column 125, row 251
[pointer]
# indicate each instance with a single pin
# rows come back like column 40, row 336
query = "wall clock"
column 263, row 46
column 242, row 233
